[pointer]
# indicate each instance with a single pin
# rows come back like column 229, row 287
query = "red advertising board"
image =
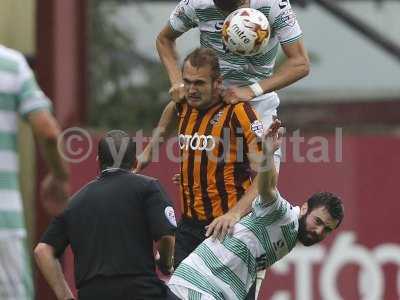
column 361, row 260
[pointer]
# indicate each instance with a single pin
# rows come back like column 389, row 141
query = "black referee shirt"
column 111, row 224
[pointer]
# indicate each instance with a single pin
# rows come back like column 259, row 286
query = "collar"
column 111, row 171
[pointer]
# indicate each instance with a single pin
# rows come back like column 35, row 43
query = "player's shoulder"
column 182, row 107
column 244, row 108
column 240, row 105
column 142, row 178
column 265, row 3
column 200, row 4
column 8, row 55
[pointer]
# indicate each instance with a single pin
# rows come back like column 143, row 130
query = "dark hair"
column 228, row 5
column 330, row 201
column 110, row 147
column 202, row 57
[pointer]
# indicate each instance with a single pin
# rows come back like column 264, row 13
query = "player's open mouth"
column 194, row 98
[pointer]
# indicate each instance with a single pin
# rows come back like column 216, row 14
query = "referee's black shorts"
column 124, row 288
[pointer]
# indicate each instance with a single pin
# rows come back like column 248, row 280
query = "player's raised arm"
column 166, row 47
column 267, row 176
column 164, row 128
column 182, row 19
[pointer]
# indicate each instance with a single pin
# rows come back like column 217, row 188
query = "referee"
column 111, row 224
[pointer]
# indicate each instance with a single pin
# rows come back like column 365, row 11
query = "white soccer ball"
column 246, row 32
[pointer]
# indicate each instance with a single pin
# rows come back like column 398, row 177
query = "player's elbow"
column 163, row 41
column 45, row 127
column 43, row 250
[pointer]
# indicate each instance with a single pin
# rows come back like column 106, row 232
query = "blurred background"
column 96, row 60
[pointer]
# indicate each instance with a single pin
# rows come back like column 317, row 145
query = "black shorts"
column 124, row 288
column 188, row 235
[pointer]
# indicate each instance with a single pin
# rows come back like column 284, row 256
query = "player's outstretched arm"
column 54, row 189
column 267, row 175
column 166, row 47
column 163, row 129
column 295, row 67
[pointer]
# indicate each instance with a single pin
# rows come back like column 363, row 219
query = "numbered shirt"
column 236, row 69
column 227, row 269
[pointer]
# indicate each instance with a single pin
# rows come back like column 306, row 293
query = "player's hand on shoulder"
column 235, row 94
column 222, row 225
column 54, row 194
column 177, row 92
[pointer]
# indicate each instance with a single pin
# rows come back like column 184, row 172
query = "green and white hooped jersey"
column 239, row 70
column 19, row 96
column 227, row 269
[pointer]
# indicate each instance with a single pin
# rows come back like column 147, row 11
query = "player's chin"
column 194, row 102
column 308, row 241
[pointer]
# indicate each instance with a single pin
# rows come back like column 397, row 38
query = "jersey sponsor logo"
column 196, row 142
column 257, row 127
column 283, row 4
column 179, row 11
column 288, row 17
column 280, row 248
column 218, row 26
column 170, row 215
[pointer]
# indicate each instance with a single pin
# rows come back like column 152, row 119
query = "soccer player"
column 20, row 96
column 247, row 78
column 226, row 268
column 216, row 143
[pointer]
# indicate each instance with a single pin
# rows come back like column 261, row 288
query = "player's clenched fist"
column 177, row 92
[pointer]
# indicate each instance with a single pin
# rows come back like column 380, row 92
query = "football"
column 246, row 32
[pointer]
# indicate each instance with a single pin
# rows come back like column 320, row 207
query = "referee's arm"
column 161, row 219
column 50, row 267
column 46, row 254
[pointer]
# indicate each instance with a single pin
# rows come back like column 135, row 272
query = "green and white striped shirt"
column 19, row 96
column 227, row 269
column 240, row 70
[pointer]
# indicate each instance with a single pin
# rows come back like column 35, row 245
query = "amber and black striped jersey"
column 215, row 168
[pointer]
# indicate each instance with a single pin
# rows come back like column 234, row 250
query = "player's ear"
column 218, row 82
column 304, row 209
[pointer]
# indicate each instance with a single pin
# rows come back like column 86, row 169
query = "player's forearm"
column 243, row 207
column 267, row 177
column 166, row 247
column 167, row 51
column 165, row 125
column 53, row 158
column 292, row 70
column 51, row 270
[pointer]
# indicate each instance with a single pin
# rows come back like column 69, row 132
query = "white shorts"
column 15, row 268
column 185, row 293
